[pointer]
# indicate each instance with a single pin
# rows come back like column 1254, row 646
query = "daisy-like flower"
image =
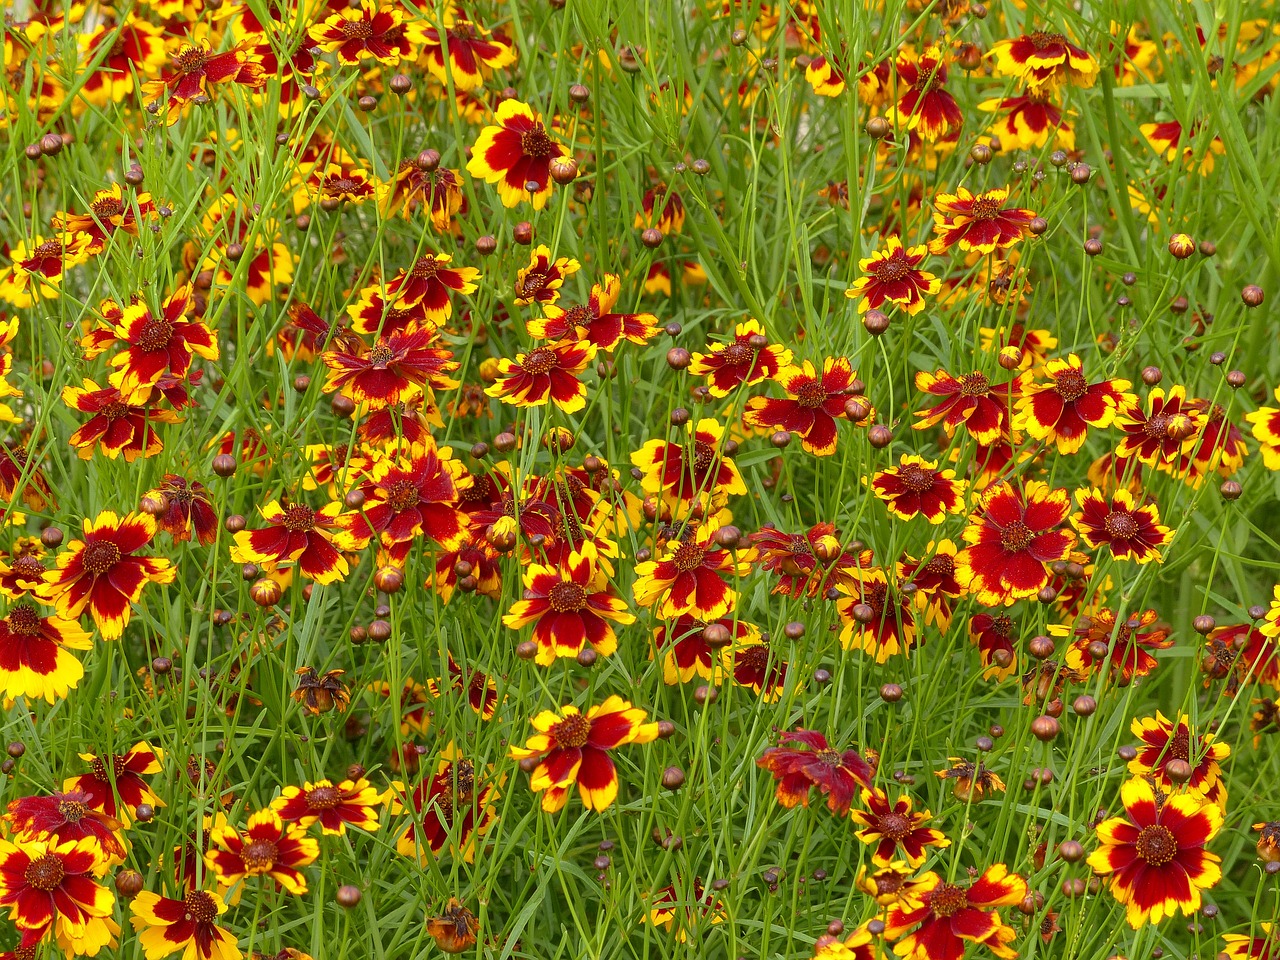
column 370, row 31
column 1265, row 426
column 949, row 916
column 1012, row 538
column 427, row 283
column 916, row 487
column 1155, row 854
column 1127, row 529
column 334, row 806
column 1044, row 61
column 935, row 580
column 861, row 944
column 595, row 321
column 334, row 184
column 815, row 763
column 685, row 650
column 103, row 573
column 747, row 359
column 1167, row 431
column 826, row 79
column 545, row 374
column 812, row 404
column 925, row 107
column 1029, row 119
column 63, row 817
column 541, row 280
column 890, row 885
column 451, row 807
column 465, row 51
column 572, row 747
column 301, row 535
column 412, row 495
column 752, row 663
column 412, row 191
column 37, row 269
column 806, row 564
column 121, row 421
column 661, row 208
column 195, row 70
column 878, row 615
column 1128, row 644
column 689, row 576
column 516, row 154
column 1240, row 946
column 182, row 507
column 895, row 828
column 570, row 606
column 394, row 370
column 124, row 781
column 684, row 911
column 1063, row 407
column 154, row 346
column 971, row 400
column 1164, row 741
column 977, row 222
column 109, row 209
column 189, row 926
column 994, row 637
column 893, row 275
column 54, row 886
column 697, row 473
column 36, row 662
column 267, row 847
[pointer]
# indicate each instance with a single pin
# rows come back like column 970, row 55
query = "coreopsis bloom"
column 661, row 208
column 994, row 636
column 395, row 369
column 689, row 576
column 925, row 107
column 36, row 662
column 124, row 781
column 595, row 321
column 748, row 359
column 109, row 209
column 437, row 193
column 121, row 422
column 264, row 263
column 878, row 615
column 465, row 52
column 971, row 400
column 37, row 269
column 893, row 275
column 752, row 663
column 427, row 283
column 51, row 886
column 572, row 747
column 103, row 572
column 812, row 404
column 122, row 50
column 826, row 79
column 1168, row 140
column 451, row 807
column 334, row 806
column 895, row 828
column 22, row 478
column 937, row 588
column 1012, row 538
column 971, row 782
column 300, row 535
column 806, row 564
column 1163, row 741
column 181, row 507
column 1028, row 120
column 1044, row 61
column 977, row 222
column 861, row 944
column 63, row 817
column 195, row 70
column 1220, row 448
column 334, row 184
column 570, row 606
column 1062, row 407
column 189, row 925
column 1155, row 854
column 816, row 763
column 266, row 847
column 1240, row 653
column 949, row 916
column 1238, row 946
column 480, row 690
column 698, row 473
column 1127, row 529
column 1265, row 425
column 685, row 650
column 1164, row 433
column 154, row 346
column 1268, row 845
column 545, row 374
column 1128, row 655
column 516, row 154
column 541, row 280
column 683, row 912
column 916, row 487
column 411, row 495
column 889, row 885
column 370, row 31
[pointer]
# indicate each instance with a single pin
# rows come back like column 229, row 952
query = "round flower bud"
column 1181, row 246
column 1045, row 728
column 348, row 895
column 1252, row 295
column 224, row 465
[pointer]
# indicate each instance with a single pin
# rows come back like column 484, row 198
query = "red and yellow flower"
column 893, row 275
column 451, row 808
column 1062, row 408
column 748, row 359
column 1168, row 430
column 516, row 154
column 812, row 404
column 541, row 280
column 36, row 662
column 916, row 487
column 700, row 472
column 545, row 374
column 300, row 535
column 895, row 828
column 124, row 781
column 878, row 616
column 195, row 70
column 689, row 576
column 971, row 400
column 977, row 222
column 394, row 370
column 335, row 806
column 266, row 847
column 1164, row 742
column 1127, row 529
column 815, row 763
column 925, row 107
column 52, row 889
column 465, row 51
column 189, row 925
column 949, row 916
column 1044, row 61
column 370, row 31
column 595, row 321
column 1012, row 538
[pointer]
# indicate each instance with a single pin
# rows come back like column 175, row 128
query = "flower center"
column 894, row 826
column 337, row 186
column 811, row 395
column 688, row 557
column 753, row 660
column 155, row 335
column 893, row 268
column 357, row 29
column 567, row 597
column 380, row 355
column 115, row 410
column 28, row 568
column 100, row 556
column 572, row 732
column 323, row 798
column 107, row 208
column 985, row 208
column 539, row 361
column 948, row 900
column 887, row 883
column 532, row 284
column 579, row 316
column 73, row 811
column 916, row 479
column 402, row 495
column 299, row 519
column 974, row 385
column 1070, row 385
column 200, row 907
column 535, row 142
column 829, row 758
column 259, row 856
column 424, row 268
column 1121, row 524
column 1157, row 845
column 24, row 620
column 191, row 60
column 45, row 873
column 738, row 353
column 1016, row 537
column 100, row 769
column 1180, row 746
column 942, row 564
column 1042, row 40
column 703, row 456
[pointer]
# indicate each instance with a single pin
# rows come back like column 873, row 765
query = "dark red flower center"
column 752, row 661
column 323, row 798
column 381, row 355
column 737, row 353
column 947, row 900
column 915, row 478
column 100, row 770
column 49, row 250
column 1179, row 746
column 100, row 556
column 200, row 907
column 567, row 597
column 424, row 268
column 260, row 855
column 45, row 873
column 155, row 335
column 894, row 267
column 532, row 283
column 356, row 29
column 107, row 208
column 1043, row 40
column 888, row 882
column 299, row 519
column 73, row 811
column 689, row 557
column 894, row 826
column 535, row 142
column 24, row 620
column 191, row 60
column 812, row 394
column 28, row 568
column 1157, row 845
column 985, row 208
column 1016, row 537
column 402, row 495
column 572, row 732
column 703, row 456
column 974, row 385
column 1001, row 626
column 579, row 316
column 115, row 410
column 1070, row 385
column 1121, row 524
column 539, row 361
column 829, row 758
column 337, row 186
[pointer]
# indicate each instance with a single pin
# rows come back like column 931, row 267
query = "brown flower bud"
column 224, row 465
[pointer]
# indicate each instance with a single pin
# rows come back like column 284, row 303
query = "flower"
column 427, row 284
column 124, row 781
column 1011, row 539
column 393, row 370
column 701, row 472
column 1029, row 120
column 541, row 280
column 466, row 51
column 1155, row 854
column 686, row 653
column 688, row 576
column 894, row 827
column 268, row 846
column 948, row 916
column 815, row 764
column 1044, row 61
column 893, row 275
column 977, row 222
column 166, row 926
column 572, row 747
column 334, row 806
column 569, row 606
column 1128, row 530
column 877, row 614
column 972, row 400
column 1062, row 408
column 917, row 488
column 516, row 154
column 1236, row 946
column 455, row 930
column 1164, row 741
column 320, row 693
column 994, row 636
column 104, row 573
column 662, row 208
column 35, row 654
column 182, row 506
column 158, row 345
column 54, row 886
column 369, row 31
column 682, row 912
column 806, row 564
column 546, row 373
column 812, row 404
column 409, row 496
column 972, row 781
column 752, row 663
column 1168, row 430
column 121, row 422
column 63, row 817
column 748, row 359
column 889, row 885
column 195, row 70
column 595, row 321
column 301, row 535
column 109, row 209
column 925, row 106
column 450, row 808
column 1127, row 656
